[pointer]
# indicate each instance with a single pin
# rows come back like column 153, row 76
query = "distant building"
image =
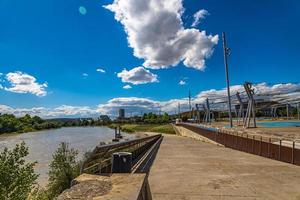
column 121, row 113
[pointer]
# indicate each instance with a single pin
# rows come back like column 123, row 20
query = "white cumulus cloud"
column 20, row 82
column 133, row 105
column 217, row 99
column 61, row 111
column 182, row 82
column 282, row 93
column 155, row 31
column 100, row 70
column 201, row 14
column 127, row 87
column 137, row 75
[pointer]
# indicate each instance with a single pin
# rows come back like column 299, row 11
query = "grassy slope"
column 165, row 128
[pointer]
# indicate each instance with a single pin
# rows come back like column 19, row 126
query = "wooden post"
column 260, row 145
column 253, row 137
column 216, row 136
column 236, row 141
column 293, row 153
column 279, row 149
column 247, row 143
column 269, row 147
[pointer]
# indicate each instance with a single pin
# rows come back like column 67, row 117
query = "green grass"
column 158, row 128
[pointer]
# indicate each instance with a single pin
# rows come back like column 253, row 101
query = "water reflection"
column 42, row 144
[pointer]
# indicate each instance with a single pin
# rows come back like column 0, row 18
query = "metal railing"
column 258, row 145
column 99, row 160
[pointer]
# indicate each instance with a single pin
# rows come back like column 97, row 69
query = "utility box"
column 121, row 162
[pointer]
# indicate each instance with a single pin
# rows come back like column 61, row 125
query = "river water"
column 42, row 144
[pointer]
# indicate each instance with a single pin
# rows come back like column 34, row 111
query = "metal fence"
column 258, row 145
column 99, row 160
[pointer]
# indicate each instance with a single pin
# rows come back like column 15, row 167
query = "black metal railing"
column 99, row 160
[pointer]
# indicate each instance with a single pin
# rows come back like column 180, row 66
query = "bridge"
column 194, row 164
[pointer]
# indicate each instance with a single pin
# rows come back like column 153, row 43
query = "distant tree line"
column 147, row 118
column 9, row 123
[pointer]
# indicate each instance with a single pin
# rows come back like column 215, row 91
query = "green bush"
column 63, row 169
column 17, row 178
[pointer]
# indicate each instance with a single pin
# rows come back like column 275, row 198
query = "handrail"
column 100, row 158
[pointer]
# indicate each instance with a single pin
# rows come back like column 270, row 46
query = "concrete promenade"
column 188, row 169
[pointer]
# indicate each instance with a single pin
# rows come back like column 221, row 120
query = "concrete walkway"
column 191, row 170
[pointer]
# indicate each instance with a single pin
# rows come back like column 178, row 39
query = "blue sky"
column 56, row 44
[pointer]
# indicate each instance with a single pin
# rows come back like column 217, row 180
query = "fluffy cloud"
column 133, row 105
column 85, row 74
column 217, row 99
column 20, row 82
column 61, row 111
column 263, row 92
column 182, row 82
column 126, row 87
column 138, row 75
column 283, row 93
column 198, row 16
column 155, row 32
column 100, row 70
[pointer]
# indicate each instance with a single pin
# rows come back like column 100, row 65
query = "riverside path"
column 188, row 169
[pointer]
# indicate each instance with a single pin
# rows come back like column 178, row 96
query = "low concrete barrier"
column 115, row 187
column 182, row 131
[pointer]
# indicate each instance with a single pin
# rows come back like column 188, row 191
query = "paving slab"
column 188, row 169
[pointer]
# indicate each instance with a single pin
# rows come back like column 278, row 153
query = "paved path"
column 191, row 170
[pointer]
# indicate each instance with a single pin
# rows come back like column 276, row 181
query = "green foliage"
column 104, row 119
column 155, row 119
column 39, row 193
column 11, row 124
column 63, row 169
column 17, row 178
column 166, row 128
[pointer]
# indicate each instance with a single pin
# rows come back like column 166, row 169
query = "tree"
column 63, row 169
column 105, row 119
column 17, row 178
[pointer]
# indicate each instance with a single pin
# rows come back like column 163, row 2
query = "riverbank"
column 42, row 144
column 158, row 128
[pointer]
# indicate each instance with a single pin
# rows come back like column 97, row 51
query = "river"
column 42, row 144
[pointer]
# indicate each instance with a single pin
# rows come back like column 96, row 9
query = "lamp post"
column 226, row 53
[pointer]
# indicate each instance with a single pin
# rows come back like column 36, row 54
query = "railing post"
column 216, row 136
column 280, row 149
column 293, row 153
column 247, row 143
column 269, row 147
column 260, row 145
column 236, row 137
column 253, row 137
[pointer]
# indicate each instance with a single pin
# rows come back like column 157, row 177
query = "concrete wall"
column 188, row 133
column 114, row 187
